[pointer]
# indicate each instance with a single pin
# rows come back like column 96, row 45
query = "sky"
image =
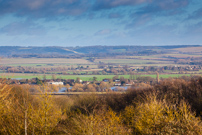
column 100, row 22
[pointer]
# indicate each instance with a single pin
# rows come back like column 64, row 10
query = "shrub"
column 102, row 122
column 87, row 104
column 177, row 90
column 160, row 117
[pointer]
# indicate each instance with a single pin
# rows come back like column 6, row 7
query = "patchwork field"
column 67, row 68
column 41, row 61
column 190, row 49
column 134, row 61
column 83, row 77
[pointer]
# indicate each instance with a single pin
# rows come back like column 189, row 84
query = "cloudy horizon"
column 100, row 22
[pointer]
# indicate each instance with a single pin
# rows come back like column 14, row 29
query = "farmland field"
column 67, row 68
column 133, row 61
column 39, row 61
column 83, row 77
column 190, row 49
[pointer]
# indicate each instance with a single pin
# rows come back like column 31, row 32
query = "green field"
column 84, row 77
column 133, row 61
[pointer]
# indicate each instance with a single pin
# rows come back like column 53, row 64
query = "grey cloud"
column 196, row 14
column 159, row 6
column 114, row 15
column 194, row 29
column 103, row 32
column 108, row 4
column 172, row 4
column 146, row 14
column 44, row 8
column 20, row 28
column 151, row 5
column 139, row 21
column 62, row 8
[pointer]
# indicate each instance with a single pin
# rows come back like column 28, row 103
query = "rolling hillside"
column 52, row 51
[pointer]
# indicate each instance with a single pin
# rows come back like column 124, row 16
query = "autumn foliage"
column 172, row 106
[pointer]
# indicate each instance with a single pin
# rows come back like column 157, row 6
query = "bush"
column 102, row 122
column 87, row 104
column 160, row 117
column 177, row 90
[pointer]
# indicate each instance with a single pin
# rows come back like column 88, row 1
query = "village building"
column 56, row 83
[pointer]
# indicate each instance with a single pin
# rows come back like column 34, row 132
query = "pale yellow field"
column 190, row 49
column 6, row 61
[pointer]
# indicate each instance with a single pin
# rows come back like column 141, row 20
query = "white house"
column 56, row 83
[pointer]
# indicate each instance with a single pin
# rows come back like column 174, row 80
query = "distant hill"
column 54, row 51
column 16, row 50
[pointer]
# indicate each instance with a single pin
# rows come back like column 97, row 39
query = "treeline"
column 38, row 69
column 85, row 51
column 173, row 106
column 101, row 55
column 69, row 52
column 106, row 69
